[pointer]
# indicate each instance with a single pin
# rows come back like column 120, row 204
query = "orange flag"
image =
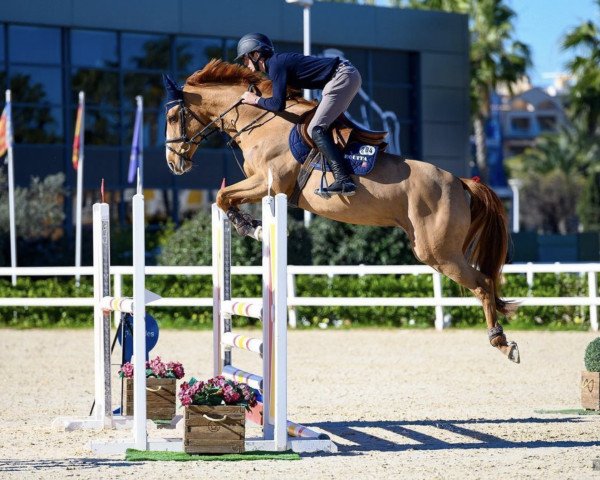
column 77, row 137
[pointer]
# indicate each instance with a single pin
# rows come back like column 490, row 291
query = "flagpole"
column 79, row 190
column 11, row 190
column 140, row 105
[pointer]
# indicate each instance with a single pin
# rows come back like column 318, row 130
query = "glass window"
column 101, row 126
column 145, row 51
column 100, row 87
column 38, row 124
column 36, row 84
column 149, row 85
column 391, row 67
column 194, row 53
column 408, row 139
column 396, row 99
column 34, row 45
column 520, row 125
column 90, row 48
column 153, row 131
column 1, row 44
column 230, row 50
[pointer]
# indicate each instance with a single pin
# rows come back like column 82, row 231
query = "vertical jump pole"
column 101, row 245
column 221, row 254
column 274, row 221
column 140, row 436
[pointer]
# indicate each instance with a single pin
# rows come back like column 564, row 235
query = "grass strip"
column 133, row 455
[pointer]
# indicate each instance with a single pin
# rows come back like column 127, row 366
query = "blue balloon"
column 127, row 345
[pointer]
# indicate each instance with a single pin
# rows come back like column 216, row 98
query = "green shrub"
column 336, row 243
column 592, row 356
column 191, row 244
column 554, row 318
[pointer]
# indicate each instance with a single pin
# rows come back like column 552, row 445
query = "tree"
column 496, row 56
column 551, row 201
column 584, row 96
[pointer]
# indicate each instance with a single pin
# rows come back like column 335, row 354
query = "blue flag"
column 136, row 158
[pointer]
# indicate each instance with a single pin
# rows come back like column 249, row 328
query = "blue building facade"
column 414, row 66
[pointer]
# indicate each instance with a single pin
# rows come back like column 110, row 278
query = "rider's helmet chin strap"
column 255, row 63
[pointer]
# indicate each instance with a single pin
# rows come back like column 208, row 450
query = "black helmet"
column 254, row 42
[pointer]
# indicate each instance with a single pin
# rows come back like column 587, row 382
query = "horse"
column 456, row 225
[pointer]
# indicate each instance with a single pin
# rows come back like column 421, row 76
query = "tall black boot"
column 343, row 184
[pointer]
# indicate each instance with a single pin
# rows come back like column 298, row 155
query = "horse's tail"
column 486, row 244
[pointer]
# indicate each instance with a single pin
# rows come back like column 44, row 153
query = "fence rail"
column 437, row 300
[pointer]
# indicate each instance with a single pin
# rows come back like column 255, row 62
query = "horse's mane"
column 218, row 71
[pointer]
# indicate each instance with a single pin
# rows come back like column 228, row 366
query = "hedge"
column 550, row 285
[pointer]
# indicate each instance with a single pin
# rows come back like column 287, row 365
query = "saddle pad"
column 360, row 158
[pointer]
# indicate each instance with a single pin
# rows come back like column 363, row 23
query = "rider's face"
column 250, row 64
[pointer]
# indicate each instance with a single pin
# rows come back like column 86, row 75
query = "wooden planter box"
column 214, row 429
column 590, row 390
column 160, row 398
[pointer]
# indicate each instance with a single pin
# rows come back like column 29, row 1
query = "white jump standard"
column 104, row 304
column 279, row 434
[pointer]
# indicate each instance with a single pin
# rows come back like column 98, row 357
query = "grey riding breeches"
column 337, row 95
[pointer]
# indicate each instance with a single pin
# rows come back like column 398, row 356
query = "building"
column 528, row 115
column 415, row 68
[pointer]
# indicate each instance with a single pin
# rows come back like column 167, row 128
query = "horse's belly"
column 375, row 203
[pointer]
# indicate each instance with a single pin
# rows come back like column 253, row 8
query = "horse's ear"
column 174, row 91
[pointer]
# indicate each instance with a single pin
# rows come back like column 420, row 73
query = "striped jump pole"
column 272, row 414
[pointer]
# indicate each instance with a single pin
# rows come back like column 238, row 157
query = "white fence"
column 437, row 300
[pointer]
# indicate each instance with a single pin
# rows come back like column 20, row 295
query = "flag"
column 5, row 130
column 78, row 136
column 136, row 156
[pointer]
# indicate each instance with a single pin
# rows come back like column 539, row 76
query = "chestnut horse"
column 455, row 225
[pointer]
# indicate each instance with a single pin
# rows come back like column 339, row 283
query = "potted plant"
column 590, row 378
column 161, row 381
column 215, row 415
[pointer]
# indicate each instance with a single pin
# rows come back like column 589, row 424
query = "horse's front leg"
column 250, row 190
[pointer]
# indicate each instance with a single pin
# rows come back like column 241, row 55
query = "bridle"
column 200, row 136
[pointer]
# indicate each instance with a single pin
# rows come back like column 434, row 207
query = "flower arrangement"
column 155, row 368
column 216, row 391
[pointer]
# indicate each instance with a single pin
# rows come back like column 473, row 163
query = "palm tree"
column 496, row 57
column 584, row 41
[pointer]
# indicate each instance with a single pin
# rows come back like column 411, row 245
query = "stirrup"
column 324, row 190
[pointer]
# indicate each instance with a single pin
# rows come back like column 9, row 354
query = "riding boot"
column 343, row 184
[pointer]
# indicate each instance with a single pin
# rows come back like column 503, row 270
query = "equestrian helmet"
column 254, row 42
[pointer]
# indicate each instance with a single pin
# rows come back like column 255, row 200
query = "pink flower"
column 158, row 367
column 176, row 368
column 126, row 370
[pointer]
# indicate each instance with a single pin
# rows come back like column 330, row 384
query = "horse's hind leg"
column 482, row 287
column 450, row 261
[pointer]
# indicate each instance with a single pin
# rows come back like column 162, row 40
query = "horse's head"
column 180, row 141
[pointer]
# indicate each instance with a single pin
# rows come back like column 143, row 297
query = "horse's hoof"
column 513, row 354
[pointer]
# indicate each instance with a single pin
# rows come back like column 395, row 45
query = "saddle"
column 359, row 148
column 344, row 131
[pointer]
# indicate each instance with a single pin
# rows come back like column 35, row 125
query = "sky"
column 541, row 24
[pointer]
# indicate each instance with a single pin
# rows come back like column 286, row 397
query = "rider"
column 338, row 79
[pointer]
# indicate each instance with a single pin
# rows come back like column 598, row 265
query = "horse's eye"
column 172, row 119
